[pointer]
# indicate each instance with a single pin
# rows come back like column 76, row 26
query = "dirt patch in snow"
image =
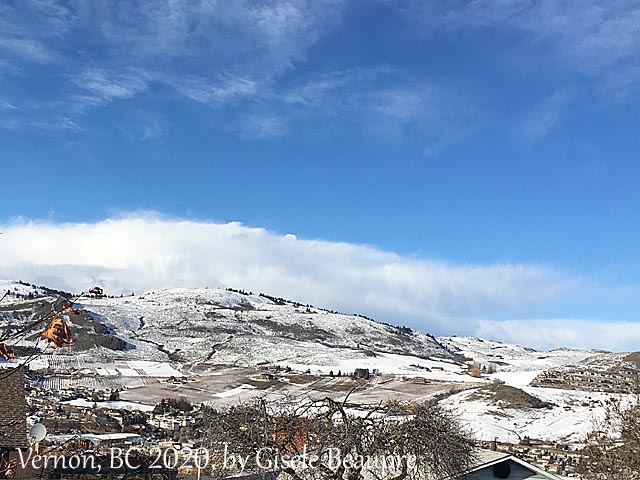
column 508, row 397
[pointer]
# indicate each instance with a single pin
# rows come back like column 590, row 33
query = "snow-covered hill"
column 511, row 407
column 226, row 327
column 506, row 357
column 223, row 327
column 218, row 342
column 14, row 291
column 568, row 417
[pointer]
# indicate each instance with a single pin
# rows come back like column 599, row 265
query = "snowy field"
column 568, row 421
column 88, row 365
column 572, row 412
column 388, row 363
column 113, row 404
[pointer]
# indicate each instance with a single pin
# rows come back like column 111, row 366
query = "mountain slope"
column 221, row 326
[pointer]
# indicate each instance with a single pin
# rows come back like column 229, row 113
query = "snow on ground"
column 507, row 357
column 389, row 363
column 516, row 379
column 16, row 289
column 112, row 404
column 90, row 365
column 155, row 369
column 225, row 328
column 219, row 326
column 568, row 421
column 106, row 372
column 234, row 391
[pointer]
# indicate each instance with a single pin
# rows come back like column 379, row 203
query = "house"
column 491, row 465
column 97, row 291
column 361, row 373
column 165, row 423
column 113, row 439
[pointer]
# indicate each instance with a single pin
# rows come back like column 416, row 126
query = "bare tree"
column 325, row 440
column 613, row 447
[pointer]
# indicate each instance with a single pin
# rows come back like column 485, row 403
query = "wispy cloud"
column 586, row 36
column 56, row 124
column 4, row 105
column 103, row 86
column 265, row 38
column 543, row 117
column 28, row 49
column 254, row 59
column 143, row 126
column 212, row 53
column 379, row 101
column 262, row 125
column 236, row 56
column 591, row 48
column 209, row 91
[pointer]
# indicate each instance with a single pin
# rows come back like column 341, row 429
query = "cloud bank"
column 145, row 252
column 570, row 333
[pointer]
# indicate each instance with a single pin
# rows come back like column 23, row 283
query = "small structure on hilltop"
column 97, row 291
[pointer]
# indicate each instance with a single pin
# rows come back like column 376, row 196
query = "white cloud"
column 145, row 252
column 55, row 124
column 103, row 86
column 28, row 49
column 577, row 333
column 588, row 46
column 544, row 116
column 204, row 90
column 382, row 102
column 587, row 36
column 263, row 39
column 4, row 105
column 238, row 56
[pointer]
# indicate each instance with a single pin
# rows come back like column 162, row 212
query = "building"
column 490, row 465
column 113, row 439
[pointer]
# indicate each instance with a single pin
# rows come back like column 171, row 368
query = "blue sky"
column 469, row 133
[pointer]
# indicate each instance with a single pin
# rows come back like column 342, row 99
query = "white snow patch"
column 111, row 404
column 155, row 369
column 234, row 391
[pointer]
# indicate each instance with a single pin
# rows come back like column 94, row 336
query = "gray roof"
column 487, row 458
column 13, row 409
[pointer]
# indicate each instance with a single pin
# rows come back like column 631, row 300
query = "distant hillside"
column 225, row 327
column 507, row 357
column 601, row 372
